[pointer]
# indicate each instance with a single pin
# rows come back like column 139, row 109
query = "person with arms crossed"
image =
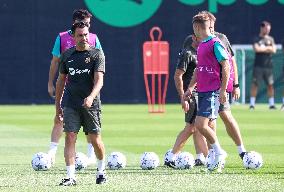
column 211, row 76
column 63, row 42
column 85, row 67
column 264, row 48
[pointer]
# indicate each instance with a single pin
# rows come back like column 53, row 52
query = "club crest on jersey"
column 88, row 60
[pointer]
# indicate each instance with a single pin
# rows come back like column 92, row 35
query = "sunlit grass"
column 131, row 130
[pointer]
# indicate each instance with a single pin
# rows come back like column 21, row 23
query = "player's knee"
column 189, row 128
column 96, row 140
column 199, row 126
column 225, row 115
column 201, row 129
column 57, row 122
column 71, row 137
column 58, row 126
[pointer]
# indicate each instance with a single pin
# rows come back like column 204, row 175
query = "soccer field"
column 130, row 129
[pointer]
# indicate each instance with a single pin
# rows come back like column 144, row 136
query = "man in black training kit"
column 264, row 47
column 85, row 67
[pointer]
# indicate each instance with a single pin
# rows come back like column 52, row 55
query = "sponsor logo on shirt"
column 205, row 69
column 73, row 71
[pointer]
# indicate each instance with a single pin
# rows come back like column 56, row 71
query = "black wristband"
column 236, row 85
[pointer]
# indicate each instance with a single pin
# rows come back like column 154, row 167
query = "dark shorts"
column 89, row 119
column 191, row 114
column 208, row 104
column 262, row 73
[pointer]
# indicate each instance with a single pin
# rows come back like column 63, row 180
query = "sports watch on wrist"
column 236, row 85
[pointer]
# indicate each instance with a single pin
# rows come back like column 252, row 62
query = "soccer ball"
column 116, row 160
column 81, row 161
column 41, row 161
column 167, row 156
column 252, row 160
column 149, row 160
column 184, row 160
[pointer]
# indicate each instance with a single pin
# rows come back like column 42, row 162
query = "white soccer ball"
column 41, row 161
column 81, row 161
column 184, row 160
column 149, row 160
column 116, row 160
column 167, row 156
column 252, row 160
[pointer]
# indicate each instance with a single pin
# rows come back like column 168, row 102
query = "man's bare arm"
column 179, row 82
column 52, row 74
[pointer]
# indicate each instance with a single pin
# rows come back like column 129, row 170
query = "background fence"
column 245, row 59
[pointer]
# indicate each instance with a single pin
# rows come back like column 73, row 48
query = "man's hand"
column 184, row 104
column 88, row 101
column 236, row 93
column 187, row 94
column 59, row 114
column 51, row 90
column 223, row 96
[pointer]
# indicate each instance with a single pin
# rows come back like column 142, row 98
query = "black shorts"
column 191, row 114
column 262, row 73
column 90, row 119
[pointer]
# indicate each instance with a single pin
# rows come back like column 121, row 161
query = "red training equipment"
column 156, row 65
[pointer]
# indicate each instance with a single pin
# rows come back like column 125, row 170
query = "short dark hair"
column 81, row 14
column 78, row 25
column 265, row 23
